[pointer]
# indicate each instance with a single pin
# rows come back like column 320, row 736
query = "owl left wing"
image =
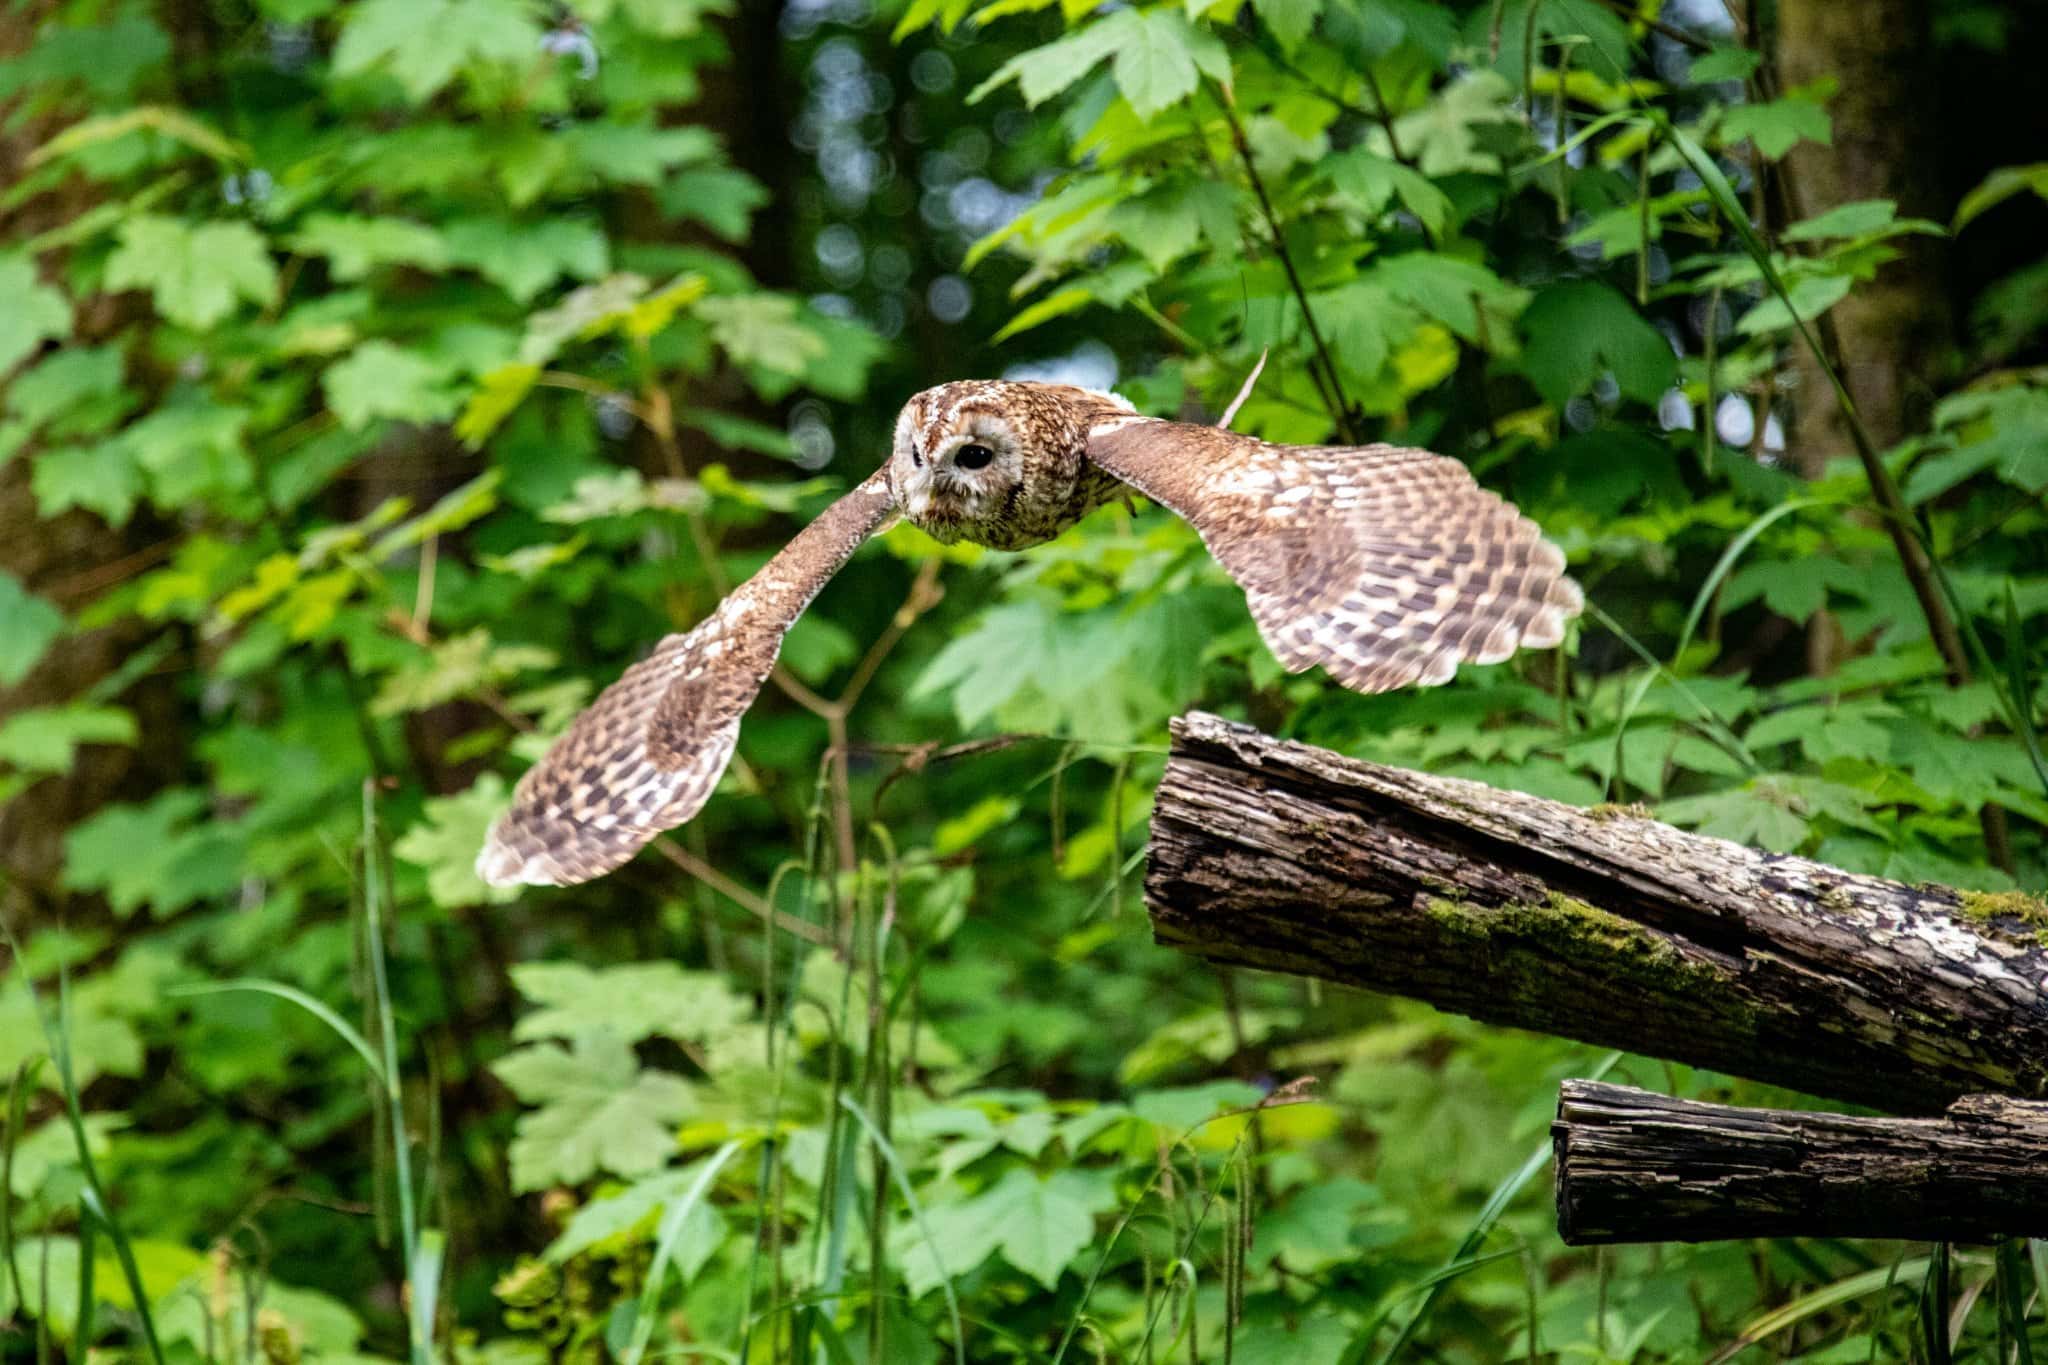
column 645, row 756
column 1389, row 566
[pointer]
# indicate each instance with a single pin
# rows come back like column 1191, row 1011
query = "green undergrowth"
column 381, row 377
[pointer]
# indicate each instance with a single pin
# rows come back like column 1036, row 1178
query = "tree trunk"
column 1598, row 925
column 1893, row 332
column 1635, row 1166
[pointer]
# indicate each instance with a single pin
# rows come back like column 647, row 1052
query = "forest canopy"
column 378, row 378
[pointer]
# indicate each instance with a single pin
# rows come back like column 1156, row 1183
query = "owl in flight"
column 1387, row 566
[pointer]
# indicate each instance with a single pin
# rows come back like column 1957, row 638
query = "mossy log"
column 1635, row 1166
column 1599, row 925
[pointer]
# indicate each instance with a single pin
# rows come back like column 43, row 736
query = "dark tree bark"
column 1597, row 925
column 1893, row 333
column 1635, row 1166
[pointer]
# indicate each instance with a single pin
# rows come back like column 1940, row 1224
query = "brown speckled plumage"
column 1387, row 566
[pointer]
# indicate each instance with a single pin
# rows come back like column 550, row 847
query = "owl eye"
column 972, row 457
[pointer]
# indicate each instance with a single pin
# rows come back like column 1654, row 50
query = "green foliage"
column 409, row 363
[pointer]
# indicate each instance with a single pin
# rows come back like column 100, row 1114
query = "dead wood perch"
column 1634, row 1166
column 1597, row 925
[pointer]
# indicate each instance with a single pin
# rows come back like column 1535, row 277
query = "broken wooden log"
column 1598, row 925
column 1636, row 1166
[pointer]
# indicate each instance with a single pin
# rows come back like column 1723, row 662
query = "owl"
column 1387, row 566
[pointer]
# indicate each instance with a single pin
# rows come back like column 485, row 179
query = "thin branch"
column 923, row 596
column 739, row 895
column 1385, row 117
column 1244, row 391
column 1338, row 404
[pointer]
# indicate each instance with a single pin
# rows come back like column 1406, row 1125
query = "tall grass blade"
column 2013, row 1284
column 673, row 1219
column 57, row 1041
column 1489, row 1214
column 1700, row 602
column 88, row 1297
column 17, row 1118
column 423, row 1273
column 1934, row 1307
column 373, row 912
column 1819, row 1301
column 342, row 1028
column 910, row 1199
column 2021, row 687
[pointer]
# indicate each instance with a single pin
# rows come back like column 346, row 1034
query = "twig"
column 1385, row 117
column 1334, row 398
column 739, row 895
column 1244, row 391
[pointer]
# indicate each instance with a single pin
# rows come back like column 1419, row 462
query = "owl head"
column 962, row 454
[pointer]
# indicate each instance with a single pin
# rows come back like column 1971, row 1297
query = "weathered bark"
column 1594, row 925
column 1635, row 1166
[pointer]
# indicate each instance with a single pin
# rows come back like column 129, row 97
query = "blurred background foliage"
column 381, row 376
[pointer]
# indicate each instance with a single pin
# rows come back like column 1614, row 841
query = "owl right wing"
column 1388, row 566
column 646, row 754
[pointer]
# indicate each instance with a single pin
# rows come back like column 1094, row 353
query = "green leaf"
column 1161, row 226
column 445, row 843
column 1057, row 304
column 197, row 275
column 1724, row 64
column 190, row 448
column 355, row 245
column 1575, row 331
column 164, row 853
column 720, row 197
column 425, row 43
column 1464, row 296
column 525, row 258
column 2004, row 429
column 1374, row 181
column 46, row 738
column 27, row 626
column 63, row 381
column 1776, row 126
column 1999, row 186
column 1160, row 57
column 1443, row 137
column 641, row 1203
column 380, row 380
column 34, row 313
column 1319, row 1227
column 1811, row 296
column 597, row 1110
column 1763, row 814
column 1044, row 71
column 495, row 397
column 1179, row 1111
column 458, row 666
column 761, row 329
column 102, row 478
column 632, row 1001
column 1039, row 1225
column 102, row 1041
column 636, row 153
column 1290, row 20
column 1845, row 220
